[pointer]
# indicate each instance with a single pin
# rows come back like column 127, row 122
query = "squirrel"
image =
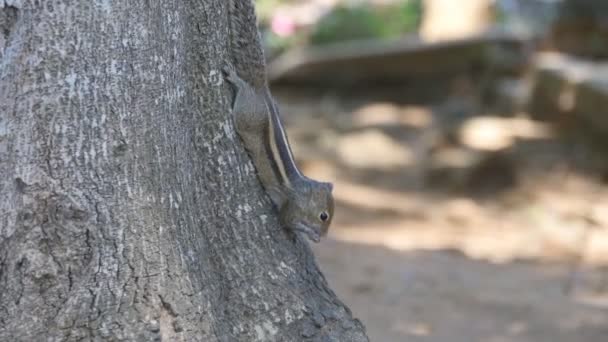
column 304, row 205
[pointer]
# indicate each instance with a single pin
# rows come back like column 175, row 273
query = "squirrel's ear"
column 277, row 195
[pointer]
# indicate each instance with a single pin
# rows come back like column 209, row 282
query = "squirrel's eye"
column 323, row 216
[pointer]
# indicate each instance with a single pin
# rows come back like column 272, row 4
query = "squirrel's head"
column 310, row 209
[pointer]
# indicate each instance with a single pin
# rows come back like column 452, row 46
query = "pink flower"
column 283, row 25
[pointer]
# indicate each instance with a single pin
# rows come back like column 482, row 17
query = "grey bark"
column 128, row 207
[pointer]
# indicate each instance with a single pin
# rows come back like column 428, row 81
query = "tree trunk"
column 452, row 19
column 128, row 207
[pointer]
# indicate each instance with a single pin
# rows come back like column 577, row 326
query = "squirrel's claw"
column 230, row 73
column 232, row 77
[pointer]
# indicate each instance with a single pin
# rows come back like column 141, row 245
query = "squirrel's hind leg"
column 249, row 108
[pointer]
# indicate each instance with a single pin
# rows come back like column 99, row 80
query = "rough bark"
column 128, row 207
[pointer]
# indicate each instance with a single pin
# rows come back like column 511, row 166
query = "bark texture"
column 128, row 207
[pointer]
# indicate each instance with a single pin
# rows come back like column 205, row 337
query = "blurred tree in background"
column 448, row 19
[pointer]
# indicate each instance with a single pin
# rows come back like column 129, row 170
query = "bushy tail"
column 246, row 44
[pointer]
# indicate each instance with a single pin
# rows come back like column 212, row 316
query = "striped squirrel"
column 304, row 205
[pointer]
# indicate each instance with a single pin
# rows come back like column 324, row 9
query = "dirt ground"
column 445, row 296
column 452, row 228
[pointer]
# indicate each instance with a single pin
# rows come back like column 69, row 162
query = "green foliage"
column 367, row 21
column 265, row 8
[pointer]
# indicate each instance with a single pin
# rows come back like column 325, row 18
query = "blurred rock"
column 592, row 102
column 477, row 153
column 571, row 92
column 510, row 95
column 471, row 170
column 581, row 29
column 423, row 66
column 552, row 92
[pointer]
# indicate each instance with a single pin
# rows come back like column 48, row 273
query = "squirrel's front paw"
column 230, row 74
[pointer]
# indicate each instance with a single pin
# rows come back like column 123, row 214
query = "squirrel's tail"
column 246, row 44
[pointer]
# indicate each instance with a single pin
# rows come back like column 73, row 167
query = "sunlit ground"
column 487, row 192
column 386, row 193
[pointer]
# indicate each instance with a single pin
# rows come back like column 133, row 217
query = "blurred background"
column 468, row 145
